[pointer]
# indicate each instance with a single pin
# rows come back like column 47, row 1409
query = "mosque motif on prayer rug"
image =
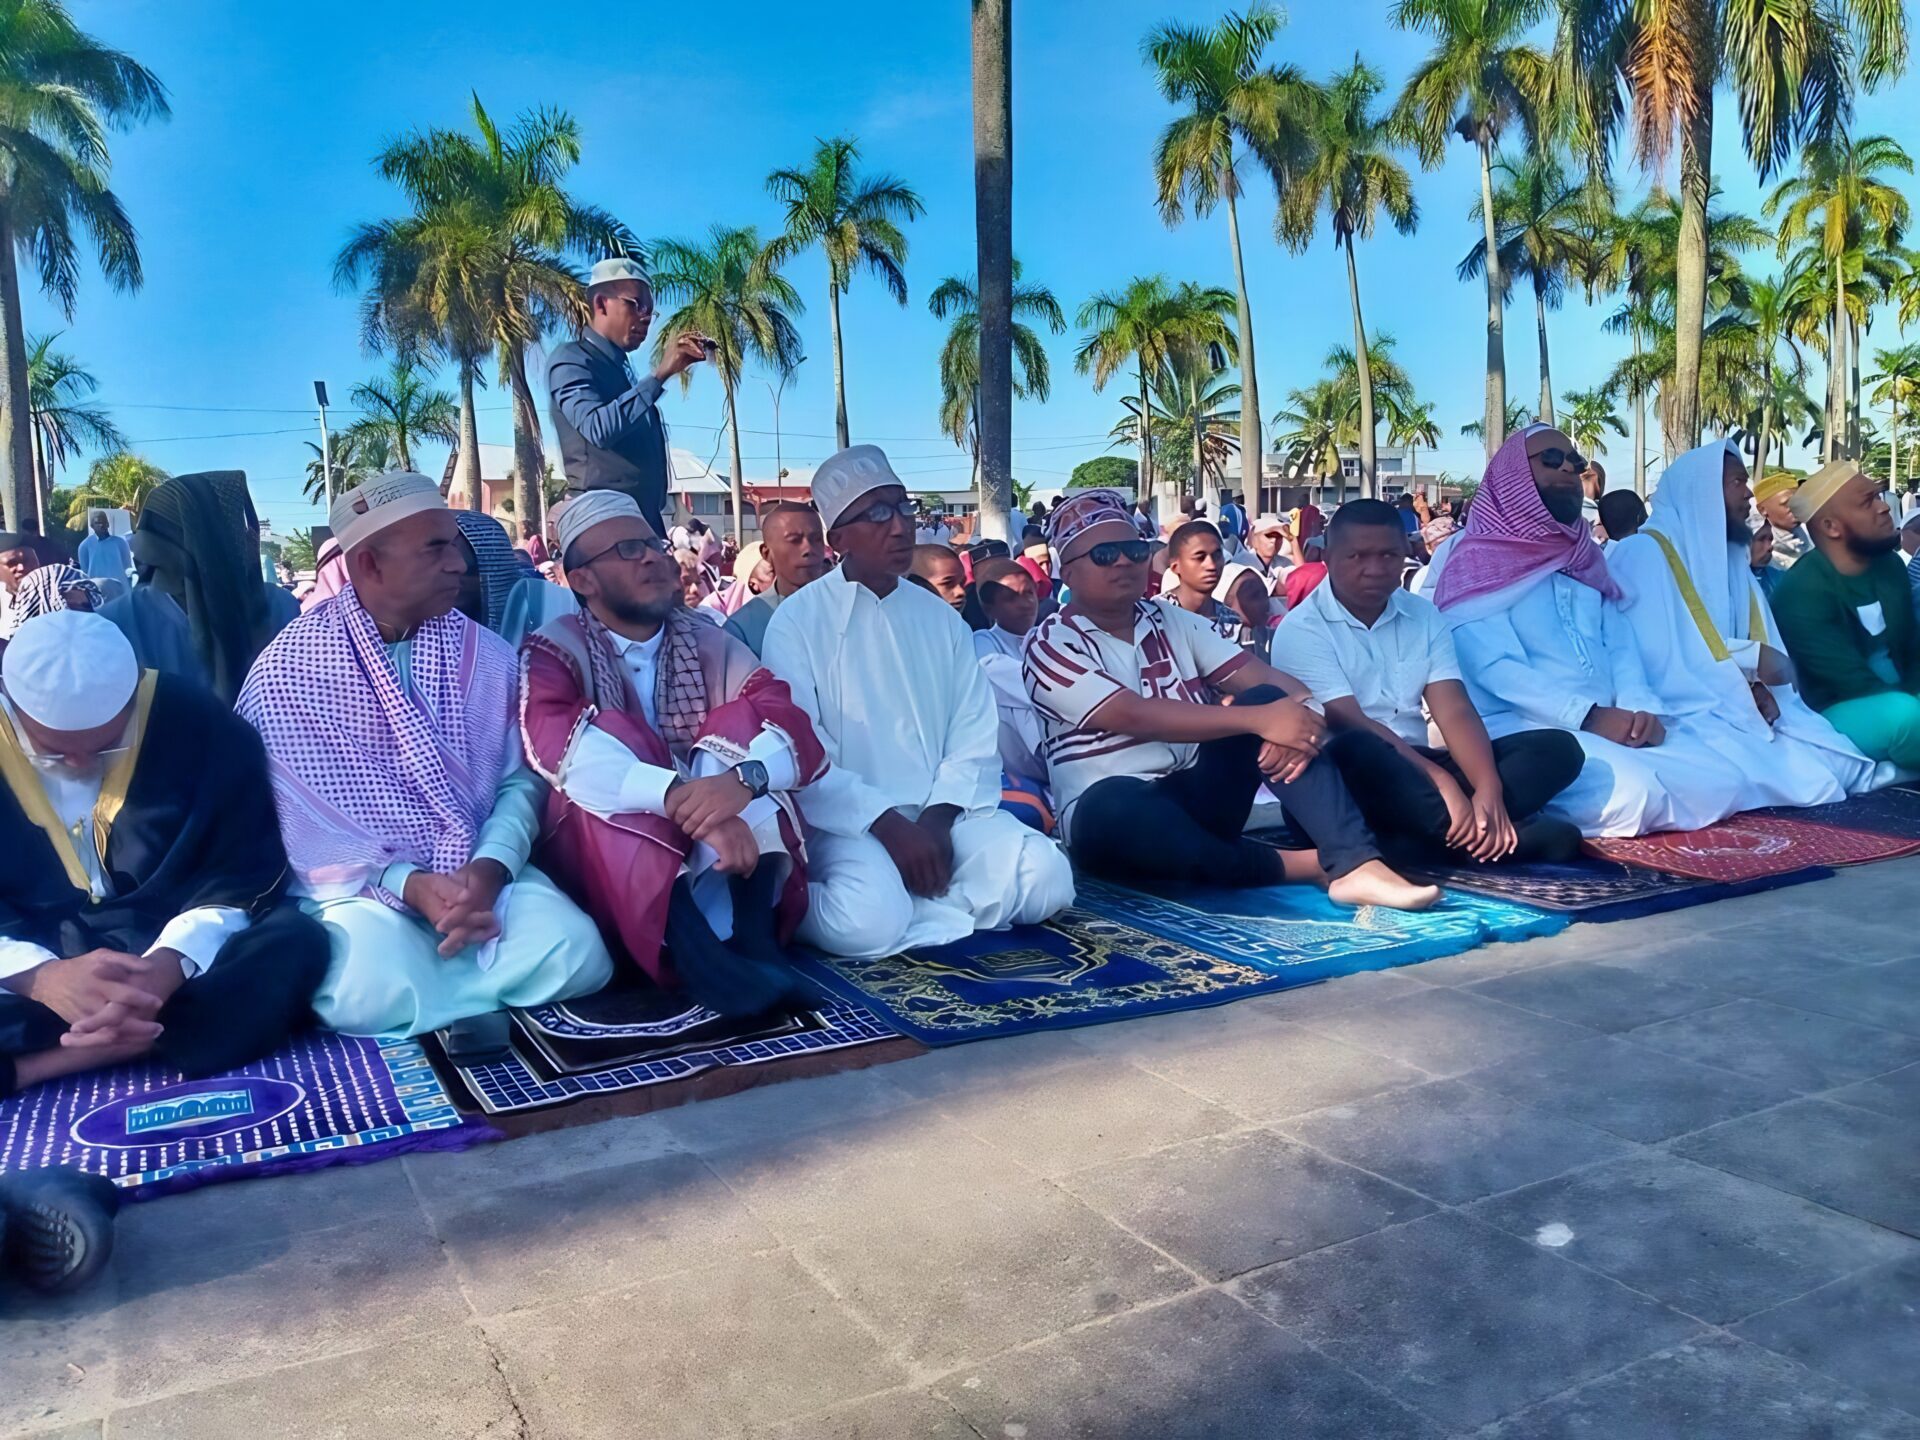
column 1884, row 825
column 323, row 1100
column 1117, row 953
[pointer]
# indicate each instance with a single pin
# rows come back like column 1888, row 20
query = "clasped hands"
column 108, row 998
column 1290, row 734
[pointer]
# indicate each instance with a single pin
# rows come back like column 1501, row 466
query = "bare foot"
column 1374, row 884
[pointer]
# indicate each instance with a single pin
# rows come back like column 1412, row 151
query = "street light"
column 779, row 469
column 326, row 452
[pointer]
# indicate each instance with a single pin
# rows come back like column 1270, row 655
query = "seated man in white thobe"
column 405, row 800
column 906, row 845
column 1709, row 643
column 1544, row 639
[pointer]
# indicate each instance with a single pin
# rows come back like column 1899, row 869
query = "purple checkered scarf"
column 368, row 773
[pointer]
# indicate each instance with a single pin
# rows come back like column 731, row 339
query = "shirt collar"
column 605, row 346
column 1332, row 609
column 623, row 643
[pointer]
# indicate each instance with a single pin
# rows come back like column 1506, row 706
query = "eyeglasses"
column 1554, row 458
column 1112, row 552
column 637, row 548
column 638, row 304
column 879, row 514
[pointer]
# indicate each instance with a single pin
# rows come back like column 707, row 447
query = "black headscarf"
column 198, row 541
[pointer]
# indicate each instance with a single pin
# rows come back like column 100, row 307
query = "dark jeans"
column 1402, row 805
column 1185, row 827
column 257, row 993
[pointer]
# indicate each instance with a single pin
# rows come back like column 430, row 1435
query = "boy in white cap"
column 907, row 845
column 405, row 801
column 611, row 433
column 142, row 906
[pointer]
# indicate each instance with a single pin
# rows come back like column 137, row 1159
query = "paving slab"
column 901, row 1415
column 1608, row 998
column 273, row 1209
column 1344, row 992
column 1897, row 1093
column 1005, row 1060
column 438, row 1386
column 1700, row 1240
column 1887, row 995
column 1863, row 1331
column 1447, row 1032
column 85, row 1430
column 1634, row 1092
column 1459, row 1320
column 1232, row 1203
column 776, row 1112
column 535, row 1159
column 706, row 1354
column 947, row 1284
column 58, row 1360
column 1200, row 1368
column 1452, row 1141
column 1769, row 1041
column 1743, row 960
column 1855, row 1161
column 1273, row 1069
column 536, row 1244
column 1715, row 1389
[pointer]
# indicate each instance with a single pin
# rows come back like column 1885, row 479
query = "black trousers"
column 1185, row 827
column 1401, row 804
column 258, row 992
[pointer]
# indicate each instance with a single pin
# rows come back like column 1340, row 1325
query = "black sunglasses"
column 1112, row 552
column 881, row 513
column 1554, row 458
column 635, row 549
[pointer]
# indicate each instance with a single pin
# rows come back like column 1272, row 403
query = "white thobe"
column 1000, row 653
column 1800, row 759
column 902, row 707
column 1544, row 654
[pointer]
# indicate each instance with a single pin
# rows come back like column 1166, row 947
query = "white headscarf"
column 1690, row 510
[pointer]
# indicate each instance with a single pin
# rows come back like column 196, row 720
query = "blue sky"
column 245, row 196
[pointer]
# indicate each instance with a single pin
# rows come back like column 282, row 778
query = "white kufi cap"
column 370, row 507
column 69, row 670
column 620, row 267
column 584, row 511
column 854, row 473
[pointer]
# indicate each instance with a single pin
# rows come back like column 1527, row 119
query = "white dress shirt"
column 1385, row 667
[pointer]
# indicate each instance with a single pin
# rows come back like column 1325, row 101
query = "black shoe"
column 59, row 1234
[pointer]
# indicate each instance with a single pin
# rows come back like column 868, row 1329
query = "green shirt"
column 1849, row 635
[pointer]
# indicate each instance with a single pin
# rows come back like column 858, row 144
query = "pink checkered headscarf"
column 1512, row 538
column 367, row 772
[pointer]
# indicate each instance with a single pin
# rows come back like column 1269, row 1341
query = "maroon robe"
column 713, row 695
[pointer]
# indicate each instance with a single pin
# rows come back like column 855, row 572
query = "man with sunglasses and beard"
column 672, row 757
column 1544, row 639
column 1153, row 778
column 906, row 844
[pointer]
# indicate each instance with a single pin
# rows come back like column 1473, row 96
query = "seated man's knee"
column 858, row 915
column 1260, row 695
column 1045, row 880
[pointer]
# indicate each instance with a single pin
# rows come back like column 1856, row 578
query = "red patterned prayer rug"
column 1881, row 826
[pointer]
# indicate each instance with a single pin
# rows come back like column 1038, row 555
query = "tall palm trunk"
column 16, row 450
column 1855, row 448
column 839, row 367
column 1496, row 416
column 993, row 240
column 1253, row 471
column 1545, row 413
column 1893, row 439
column 467, row 467
column 1690, row 282
column 739, row 495
column 1836, row 422
column 1766, row 417
column 42, row 471
column 1369, row 452
column 1639, row 422
column 1148, row 476
column 528, row 497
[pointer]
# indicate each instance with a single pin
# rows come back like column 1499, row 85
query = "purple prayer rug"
column 323, row 1100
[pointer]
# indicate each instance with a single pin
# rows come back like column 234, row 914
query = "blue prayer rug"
column 323, row 1100
column 1117, row 953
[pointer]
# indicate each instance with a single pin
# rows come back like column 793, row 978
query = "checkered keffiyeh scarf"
column 45, row 590
column 680, row 680
column 493, row 553
column 366, row 771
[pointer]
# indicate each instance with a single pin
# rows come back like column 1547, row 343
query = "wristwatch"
column 753, row 775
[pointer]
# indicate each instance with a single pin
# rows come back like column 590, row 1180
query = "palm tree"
column 483, row 262
column 64, row 420
column 1312, row 430
column 60, row 90
column 1841, row 194
column 957, row 299
column 356, row 455
column 1587, row 416
column 1410, row 423
column 1543, row 220
column 1350, row 170
column 993, row 243
column 121, row 481
column 1516, row 416
column 1792, row 68
column 1480, row 79
column 1767, row 322
column 1189, row 410
column 403, row 407
column 731, row 290
column 1897, row 384
column 856, row 220
column 1230, row 101
column 1143, row 325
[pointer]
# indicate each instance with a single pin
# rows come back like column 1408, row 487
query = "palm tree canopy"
column 57, row 390
column 1517, row 415
column 1842, row 192
column 1586, row 416
column 854, row 218
column 403, row 407
column 1350, row 169
column 1215, row 74
column 60, row 92
column 1481, row 77
column 1147, row 321
column 730, row 290
column 120, row 481
column 958, row 298
column 1317, row 422
column 1545, row 224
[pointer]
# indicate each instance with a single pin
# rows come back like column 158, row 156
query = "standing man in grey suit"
column 611, row 433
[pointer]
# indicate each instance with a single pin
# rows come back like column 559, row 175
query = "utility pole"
column 779, row 466
column 326, row 452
